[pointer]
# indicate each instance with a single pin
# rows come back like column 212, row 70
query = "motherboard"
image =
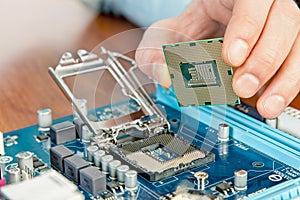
column 146, row 147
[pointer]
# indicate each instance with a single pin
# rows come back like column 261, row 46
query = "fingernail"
column 237, row 52
column 246, row 85
column 274, row 105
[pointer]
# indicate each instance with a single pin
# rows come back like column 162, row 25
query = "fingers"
column 193, row 24
column 260, row 39
column 246, row 24
column 149, row 55
column 284, row 87
column 272, row 48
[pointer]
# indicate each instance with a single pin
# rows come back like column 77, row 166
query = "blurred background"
column 34, row 35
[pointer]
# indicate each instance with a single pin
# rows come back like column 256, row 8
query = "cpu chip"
column 199, row 74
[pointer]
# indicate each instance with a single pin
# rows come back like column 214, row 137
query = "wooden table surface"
column 25, row 85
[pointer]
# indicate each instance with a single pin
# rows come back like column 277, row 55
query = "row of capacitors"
column 93, row 178
column 114, row 168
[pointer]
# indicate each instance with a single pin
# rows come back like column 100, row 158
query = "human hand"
column 262, row 41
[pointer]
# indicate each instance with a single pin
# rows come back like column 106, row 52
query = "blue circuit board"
column 264, row 172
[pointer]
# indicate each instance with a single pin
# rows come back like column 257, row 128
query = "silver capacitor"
column 44, row 118
column 201, row 179
column 131, row 180
column 223, row 132
column 25, row 160
column 105, row 160
column 86, row 134
column 4, row 161
column 240, row 179
column 14, row 175
column 121, row 170
column 90, row 152
column 112, row 167
column 97, row 157
column 223, row 149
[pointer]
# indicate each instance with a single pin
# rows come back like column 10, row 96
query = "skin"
column 261, row 40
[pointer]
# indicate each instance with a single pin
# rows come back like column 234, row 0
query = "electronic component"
column 225, row 188
column 112, row 167
column 161, row 156
column 131, row 180
column 199, row 74
column 97, row 157
column 78, row 126
column 240, row 179
column 72, row 165
column 86, row 134
column 42, row 137
column 14, row 175
column 90, row 152
column 25, row 160
column 58, row 154
column 201, row 178
column 223, row 132
column 43, row 169
column 105, row 160
column 108, row 196
column 121, row 170
column 44, row 118
column 38, row 164
column 48, row 186
column 114, row 187
column 62, row 132
column 92, row 180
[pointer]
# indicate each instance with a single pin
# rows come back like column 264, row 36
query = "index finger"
column 245, row 27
